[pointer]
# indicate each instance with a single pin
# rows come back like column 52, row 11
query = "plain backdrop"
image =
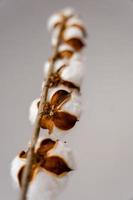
column 103, row 139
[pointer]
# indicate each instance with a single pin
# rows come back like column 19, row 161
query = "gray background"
column 103, row 140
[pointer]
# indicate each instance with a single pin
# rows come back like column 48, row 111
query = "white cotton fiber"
column 73, row 72
column 74, row 21
column 73, row 106
column 65, row 47
column 46, row 186
column 16, row 165
column 73, row 32
column 68, row 12
column 54, row 20
column 46, row 69
column 33, row 111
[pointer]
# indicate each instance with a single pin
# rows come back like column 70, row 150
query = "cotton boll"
column 16, row 165
column 73, row 32
column 54, row 20
column 57, row 18
column 74, row 21
column 68, row 12
column 46, row 186
column 73, row 72
column 62, row 150
column 73, row 106
column 33, row 111
column 44, row 183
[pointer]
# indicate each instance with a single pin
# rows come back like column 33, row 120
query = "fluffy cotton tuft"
column 74, row 21
column 77, row 56
column 68, row 12
column 54, row 20
column 73, row 72
column 45, row 186
column 16, row 165
column 65, row 47
column 73, row 32
column 57, row 18
column 73, row 106
column 46, row 69
column 33, row 111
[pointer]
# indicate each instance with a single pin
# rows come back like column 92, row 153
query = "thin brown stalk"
column 35, row 135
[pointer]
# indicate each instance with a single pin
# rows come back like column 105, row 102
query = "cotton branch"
column 42, row 171
column 35, row 135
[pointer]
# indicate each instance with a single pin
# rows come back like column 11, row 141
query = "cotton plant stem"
column 35, row 135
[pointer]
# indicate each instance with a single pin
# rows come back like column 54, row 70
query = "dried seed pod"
column 54, row 114
column 57, row 114
column 50, row 171
column 73, row 105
